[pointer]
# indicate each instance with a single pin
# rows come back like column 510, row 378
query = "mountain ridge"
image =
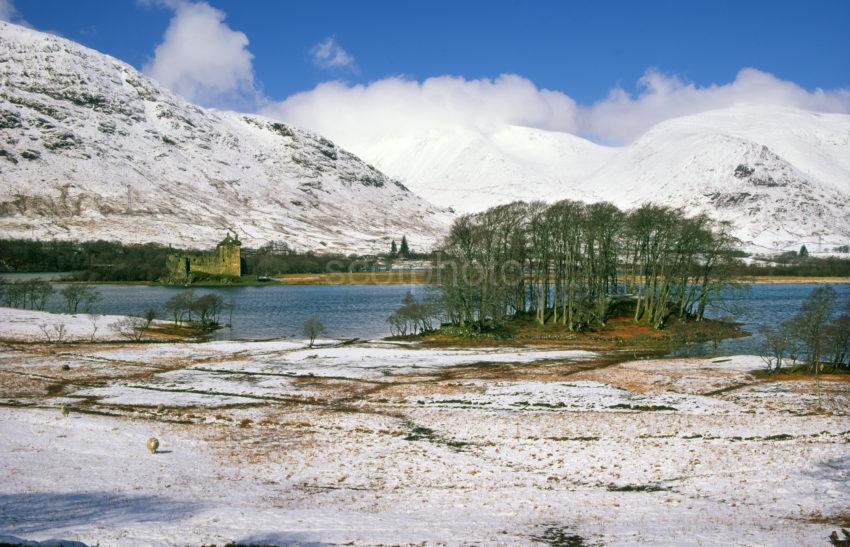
column 780, row 174
column 94, row 150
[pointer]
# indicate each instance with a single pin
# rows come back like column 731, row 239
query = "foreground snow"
column 272, row 442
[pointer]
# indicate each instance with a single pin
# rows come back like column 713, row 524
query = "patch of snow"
column 580, row 396
column 31, row 326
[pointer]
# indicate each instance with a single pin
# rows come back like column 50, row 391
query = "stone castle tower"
column 225, row 260
column 229, row 253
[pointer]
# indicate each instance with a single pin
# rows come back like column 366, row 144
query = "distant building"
column 225, row 260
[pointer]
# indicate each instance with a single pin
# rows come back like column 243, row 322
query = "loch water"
column 360, row 311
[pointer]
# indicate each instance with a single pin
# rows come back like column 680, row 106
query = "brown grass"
column 841, row 519
column 428, row 276
column 804, row 377
column 619, row 333
column 772, row 279
column 357, row 278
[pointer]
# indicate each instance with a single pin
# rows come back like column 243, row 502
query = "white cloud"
column 7, row 10
column 9, row 13
column 329, row 54
column 357, row 115
column 207, row 62
column 621, row 117
column 360, row 114
column 203, row 59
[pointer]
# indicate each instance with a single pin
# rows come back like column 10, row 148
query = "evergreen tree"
column 393, row 249
column 804, row 252
column 403, row 250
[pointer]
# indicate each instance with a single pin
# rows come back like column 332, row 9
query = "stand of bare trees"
column 815, row 338
column 79, row 297
column 412, row 317
column 31, row 294
column 567, row 262
column 201, row 311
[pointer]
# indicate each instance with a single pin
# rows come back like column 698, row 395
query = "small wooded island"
column 532, row 272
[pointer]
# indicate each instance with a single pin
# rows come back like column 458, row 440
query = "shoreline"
column 794, row 280
column 399, row 278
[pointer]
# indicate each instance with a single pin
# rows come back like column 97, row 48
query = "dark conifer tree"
column 404, row 250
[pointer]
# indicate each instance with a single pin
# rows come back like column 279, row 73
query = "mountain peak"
column 96, row 150
column 797, row 192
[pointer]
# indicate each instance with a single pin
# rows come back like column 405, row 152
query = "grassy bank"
column 794, row 279
column 426, row 277
column 412, row 278
column 619, row 334
column 358, row 278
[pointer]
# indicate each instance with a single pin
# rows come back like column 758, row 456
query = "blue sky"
column 581, row 48
column 360, row 72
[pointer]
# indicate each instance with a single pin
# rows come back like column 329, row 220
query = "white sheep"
column 64, row 410
column 153, row 444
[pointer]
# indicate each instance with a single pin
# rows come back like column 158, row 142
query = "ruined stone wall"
column 177, row 266
column 225, row 260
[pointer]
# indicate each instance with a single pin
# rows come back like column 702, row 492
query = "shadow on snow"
column 44, row 511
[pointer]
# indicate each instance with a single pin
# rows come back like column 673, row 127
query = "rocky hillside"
column 92, row 149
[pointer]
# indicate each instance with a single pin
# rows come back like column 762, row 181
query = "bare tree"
column 46, row 331
column 149, row 316
column 54, row 333
column 132, row 328
column 37, row 292
column 564, row 263
column 180, row 306
column 837, row 336
column 230, row 307
column 411, row 318
column 779, row 343
column 207, row 308
column 79, row 297
column 811, row 322
column 30, row 294
column 94, row 327
column 313, row 328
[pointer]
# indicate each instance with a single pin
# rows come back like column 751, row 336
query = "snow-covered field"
column 382, row 443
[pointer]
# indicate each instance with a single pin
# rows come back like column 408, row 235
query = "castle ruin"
column 225, row 260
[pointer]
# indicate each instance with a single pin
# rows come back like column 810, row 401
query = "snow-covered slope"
column 470, row 171
column 89, row 148
column 92, row 149
column 782, row 175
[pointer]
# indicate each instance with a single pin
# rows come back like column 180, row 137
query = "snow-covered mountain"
column 92, row 149
column 782, row 175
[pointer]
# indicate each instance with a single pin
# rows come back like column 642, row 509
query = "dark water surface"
column 761, row 304
column 360, row 311
column 348, row 311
